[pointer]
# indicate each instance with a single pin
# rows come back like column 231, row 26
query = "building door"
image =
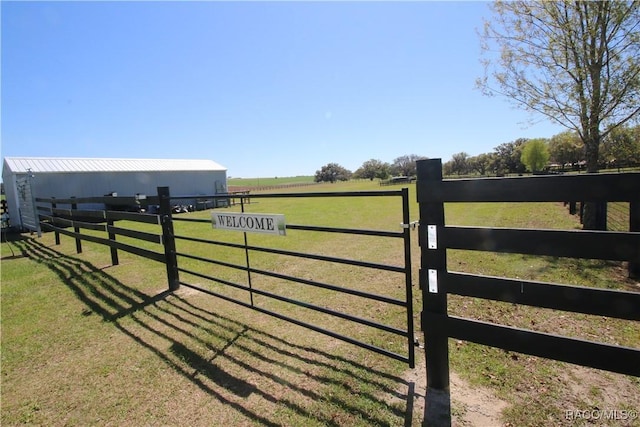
column 27, row 204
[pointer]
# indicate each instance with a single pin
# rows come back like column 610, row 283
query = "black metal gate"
column 349, row 283
column 317, row 274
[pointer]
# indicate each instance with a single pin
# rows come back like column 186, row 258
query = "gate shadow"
column 7, row 237
column 179, row 321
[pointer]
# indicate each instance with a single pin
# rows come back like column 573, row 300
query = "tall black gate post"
column 433, row 263
column 168, row 238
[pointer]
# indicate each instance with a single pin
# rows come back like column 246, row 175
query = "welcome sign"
column 250, row 222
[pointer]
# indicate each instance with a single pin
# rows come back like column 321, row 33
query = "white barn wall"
column 90, row 184
column 65, row 184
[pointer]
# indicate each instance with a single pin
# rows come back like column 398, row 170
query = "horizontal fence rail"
column 253, row 273
column 317, row 284
column 596, row 355
column 436, row 237
column 605, row 245
column 60, row 220
column 599, row 302
column 603, row 187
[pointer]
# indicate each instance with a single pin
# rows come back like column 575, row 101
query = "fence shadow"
column 152, row 321
column 8, row 237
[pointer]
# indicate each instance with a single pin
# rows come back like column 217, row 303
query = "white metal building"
column 81, row 177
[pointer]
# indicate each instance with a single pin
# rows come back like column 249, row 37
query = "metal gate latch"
column 412, row 225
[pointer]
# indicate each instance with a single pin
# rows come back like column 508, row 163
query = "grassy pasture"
column 270, row 182
column 86, row 343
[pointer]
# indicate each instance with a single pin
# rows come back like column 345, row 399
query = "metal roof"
column 59, row 164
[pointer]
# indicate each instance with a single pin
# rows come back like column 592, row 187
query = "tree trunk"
column 595, row 213
column 591, row 153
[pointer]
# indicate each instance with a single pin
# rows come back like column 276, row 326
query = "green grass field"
column 269, row 182
column 87, row 343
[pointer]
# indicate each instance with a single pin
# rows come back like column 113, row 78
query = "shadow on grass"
column 169, row 318
column 597, row 273
column 8, row 237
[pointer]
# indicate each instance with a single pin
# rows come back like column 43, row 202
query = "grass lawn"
column 87, row 343
column 269, row 182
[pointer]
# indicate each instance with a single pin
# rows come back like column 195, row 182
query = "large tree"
column 332, row 172
column 460, row 163
column 372, row 169
column 578, row 63
column 622, row 146
column 405, row 165
column 575, row 62
column 482, row 163
column 508, row 157
column 565, row 148
column 535, row 154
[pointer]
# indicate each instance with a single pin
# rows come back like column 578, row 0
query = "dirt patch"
column 583, row 389
column 591, row 389
column 186, row 292
column 470, row 405
column 473, row 405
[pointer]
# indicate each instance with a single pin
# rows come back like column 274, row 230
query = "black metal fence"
column 278, row 282
column 436, row 237
column 196, row 259
column 257, row 291
column 61, row 215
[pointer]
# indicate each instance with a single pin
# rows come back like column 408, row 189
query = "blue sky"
column 265, row 89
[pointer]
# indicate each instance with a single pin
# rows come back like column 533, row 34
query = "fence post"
column 76, row 230
column 433, row 268
column 168, row 238
column 112, row 237
column 634, row 225
column 55, row 234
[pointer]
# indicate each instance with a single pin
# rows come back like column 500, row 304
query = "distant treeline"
column 564, row 152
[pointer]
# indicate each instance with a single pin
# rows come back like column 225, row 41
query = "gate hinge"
column 412, row 225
